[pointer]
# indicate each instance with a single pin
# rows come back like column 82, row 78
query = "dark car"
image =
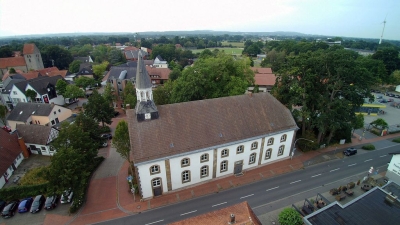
column 383, row 101
column 106, row 136
column 9, row 209
column 38, row 203
column 379, row 97
column 2, row 204
column 25, row 205
column 116, row 113
column 51, row 202
column 350, row 151
column 397, row 96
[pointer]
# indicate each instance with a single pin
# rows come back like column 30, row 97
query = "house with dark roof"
column 37, row 138
column 133, row 55
column 10, row 155
column 178, row 145
column 379, row 205
column 37, row 113
column 159, row 62
column 240, row 213
column 393, row 171
column 6, row 90
column 263, row 78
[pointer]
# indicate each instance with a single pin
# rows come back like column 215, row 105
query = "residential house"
column 18, row 63
column 178, row 145
column 6, row 89
column 178, row 46
column 263, row 78
column 87, row 59
column 27, row 76
column 132, row 55
column 85, row 70
column 158, row 76
column 37, row 138
column 118, row 77
column 148, row 50
column 240, row 213
column 10, row 155
column 159, row 62
column 37, row 113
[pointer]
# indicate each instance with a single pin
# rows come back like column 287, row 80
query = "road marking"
column 272, row 188
column 219, row 204
column 154, row 222
column 295, row 181
column 353, row 164
column 189, row 212
column 316, row 175
column 334, row 170
column 246, row 196
column 382, row 156
column 367, row 160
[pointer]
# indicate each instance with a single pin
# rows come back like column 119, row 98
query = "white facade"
column 203, row 165
column 393, row 171
column 160, row 64
column 44, row 149
column 6, row 176
column 17, row 95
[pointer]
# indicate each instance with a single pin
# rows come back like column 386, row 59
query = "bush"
column 34, row 176
column 368, row 147
column 290, row 216
column 20, row 192
column 397, row 140
column 105, row 129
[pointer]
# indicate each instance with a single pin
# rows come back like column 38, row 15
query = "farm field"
column 234, row 44
column 233, row 51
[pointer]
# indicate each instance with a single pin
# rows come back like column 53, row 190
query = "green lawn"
column 233, row 51
column 234, row 44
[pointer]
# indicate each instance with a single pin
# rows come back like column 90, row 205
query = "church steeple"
column 145, row 107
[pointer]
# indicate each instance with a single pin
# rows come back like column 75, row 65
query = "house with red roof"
column 263, row 78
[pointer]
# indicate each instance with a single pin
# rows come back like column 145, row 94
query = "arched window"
column 154, row 169
column 204, row 158
column 270, row 141
column 240, row 149
column 283, row 138
column 224, row 166
column 254, row 145
column 225, row 153
column 185, row 162
column 185, row 176
column 204, row 171
column 281, row 150
column 252, row 158
column 268, row 153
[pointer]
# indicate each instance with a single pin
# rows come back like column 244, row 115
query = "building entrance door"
column 238, row 167
column 157, row 188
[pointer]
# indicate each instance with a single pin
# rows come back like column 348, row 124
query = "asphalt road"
column 261, row 193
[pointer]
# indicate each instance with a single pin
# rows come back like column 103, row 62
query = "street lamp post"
column 294, row 146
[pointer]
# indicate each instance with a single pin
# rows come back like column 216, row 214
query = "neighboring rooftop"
column 23, row 110
column 9, row 149
column 34, row 133
column 28, row 49
column 12, row 62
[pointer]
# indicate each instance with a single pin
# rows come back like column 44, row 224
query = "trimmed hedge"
column 397, row 140
column 368, row 147
column 20, row 192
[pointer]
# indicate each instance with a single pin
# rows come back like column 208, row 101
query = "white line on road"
column 353, row 164
column 272, row 188
column 219, row 204
column 334, row 170
column 295, row 181
column 367, row 160
column 246, row 196
column 188, row 212
column 382, row 156
column 154, row 222
column 316, row 175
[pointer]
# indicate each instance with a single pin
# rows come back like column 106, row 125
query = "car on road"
column 51, row 202
column 106, row 136
column 350, row 151
column 9, row 209
column 37, row 204
column 66, row 197
column 25, row 205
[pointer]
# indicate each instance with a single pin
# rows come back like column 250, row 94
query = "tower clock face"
column 147, row 116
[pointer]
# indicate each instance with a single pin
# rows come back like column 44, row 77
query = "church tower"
column 145, row 107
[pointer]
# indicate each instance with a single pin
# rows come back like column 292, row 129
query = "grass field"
column 233, row 51
column 234, row 44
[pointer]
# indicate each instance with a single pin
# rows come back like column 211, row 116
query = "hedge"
column 20, row 192
column 368, row 147
column 397, row 140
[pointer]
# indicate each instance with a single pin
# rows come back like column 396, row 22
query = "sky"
column 335, row 18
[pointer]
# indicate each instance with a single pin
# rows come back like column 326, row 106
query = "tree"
column 84, row 82
column 3, row 114
column 121, row 142
column 395, row 78
column 290, row 216
column 90, row 126
column 358, row 122
column 60, row 56
column 380, row 123
column 31, row 94
column 100, row 69
column 61, row 87
column 74, row 66
column 108, row 94
column 115, row 57
column 99, row 109
column 162, row 94
column 5, row 52
column 389, row 57
column 175, row 74
column 73, row 92
column 12, row 71
column 129, row 95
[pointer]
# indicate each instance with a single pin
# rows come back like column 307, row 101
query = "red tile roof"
column 242, row 212
column 264, row 76
column 7, row 74
column 161, row 73
column 130, row 48
column 9, row 150
column 12, row 61
column 62, row 73
column 47, row 70
column 28, row 49
column 31, row 74
column 178, row 46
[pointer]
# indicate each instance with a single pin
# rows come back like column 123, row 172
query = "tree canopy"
column 3, row 114
column 290, row 216
column 61, row 87
column 61, row 57
column 121, row 141
column 99, row 109
column 74, row 66
column 31, row 94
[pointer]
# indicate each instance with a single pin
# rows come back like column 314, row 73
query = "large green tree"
column 31, row 94
column 61, row 87
column 84, row 82
column 72, row 91
column 5, row 51
column 129, row 95
column 108, row 94
column 100, row 68
column 99, row 109
column 3, row 114
column 60, row 56
column 389, row 57
column 121, row 142
column 74, row 66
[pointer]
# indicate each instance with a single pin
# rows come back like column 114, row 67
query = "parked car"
column 350, row 151
column 379, row 97
column 51, row 202
column 390, row 100
column 9, row 209
column 38, row 203
column 25, row 205
column 116, row 113
column 391, row 95
column 397, row 96
column 106, row 136
column 383, row 101
column 66, row 197
column 2, row 204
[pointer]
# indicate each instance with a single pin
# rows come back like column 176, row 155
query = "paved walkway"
column 109, row 196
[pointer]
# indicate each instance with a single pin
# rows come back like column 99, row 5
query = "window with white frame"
column 156, row 182
column 252, row 158
column 154, row 169
column 185, row 162
column 240, row 149
column 15, row 92
column 204, row 171
column 225, row 152
column 281, row 149
column 270, row 141
column 283, row 138
column 254, row 145
column 204, row 158
column 185, row 176
column 268, row 153
column 224, row 166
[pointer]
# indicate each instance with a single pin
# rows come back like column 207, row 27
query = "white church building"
column 178, row 145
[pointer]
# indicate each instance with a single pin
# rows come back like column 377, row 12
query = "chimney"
column 25, row 151
column 232, row 219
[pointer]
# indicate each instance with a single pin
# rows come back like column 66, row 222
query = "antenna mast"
column 384, row 23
